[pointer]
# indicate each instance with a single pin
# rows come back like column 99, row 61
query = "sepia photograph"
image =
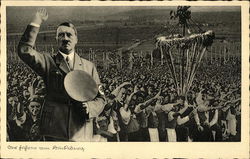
column 159, row 73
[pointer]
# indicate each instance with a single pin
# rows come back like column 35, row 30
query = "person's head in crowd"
column 129, row 90
column 107, row 91
column 190, row 97
column 110, row 98
column 121, row 95
column 180, row 100
column 176, row 108
column 139, row 85
column 204, row 94
column 173, row 96
column 140, row 97
column 13, row 100
column 34, row 106
column 66, row 36
column 166, row 99
column 110, row 101
column 216, row 103
column 133, row 101
column 143, row 88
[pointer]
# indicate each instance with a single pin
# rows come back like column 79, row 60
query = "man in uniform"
column 62, row 119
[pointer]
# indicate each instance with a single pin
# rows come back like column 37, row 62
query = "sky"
column 113, row 9
column 25, row 13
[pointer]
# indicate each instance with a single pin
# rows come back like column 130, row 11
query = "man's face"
column 66, row 39
column 122, row 94
column 34, row 108
column 12, row 101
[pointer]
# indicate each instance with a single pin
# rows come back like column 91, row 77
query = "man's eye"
column 69, row 34
column 60, row 34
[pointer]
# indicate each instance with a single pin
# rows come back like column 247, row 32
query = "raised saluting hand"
column 40, row 16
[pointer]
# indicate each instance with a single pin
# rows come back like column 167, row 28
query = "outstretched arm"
column 228, row 93
column 26, row 49
column 148, row 102
column 183, row 120
column 117, row 89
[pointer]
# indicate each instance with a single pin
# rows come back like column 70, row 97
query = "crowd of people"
column 142, row 104
column 25, row 96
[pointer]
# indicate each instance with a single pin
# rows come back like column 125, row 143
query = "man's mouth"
column 66, row 44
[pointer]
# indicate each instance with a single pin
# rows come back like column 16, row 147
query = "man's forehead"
column 65, row 29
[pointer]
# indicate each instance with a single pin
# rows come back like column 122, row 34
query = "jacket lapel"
column 62, row 63
column 78, row 63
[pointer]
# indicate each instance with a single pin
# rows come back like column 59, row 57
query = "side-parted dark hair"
column 68, row 24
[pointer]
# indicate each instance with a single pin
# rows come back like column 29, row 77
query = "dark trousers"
column 162, row 134
column 123, row 135
column 143, row 135
column 182, row 133
column 205, row 135
column 113, row 138
column 218, row 132
column 134, row 136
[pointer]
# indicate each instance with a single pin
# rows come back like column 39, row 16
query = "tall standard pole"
column 183, row 62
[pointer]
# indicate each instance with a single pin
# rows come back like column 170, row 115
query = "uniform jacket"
column 62, row 117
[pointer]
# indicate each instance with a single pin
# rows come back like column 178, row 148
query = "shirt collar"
column 70, row 55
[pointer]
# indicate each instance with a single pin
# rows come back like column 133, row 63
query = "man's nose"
column 65, row 37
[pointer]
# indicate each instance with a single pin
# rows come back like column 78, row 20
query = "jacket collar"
column 70, row 55
column 60, row 61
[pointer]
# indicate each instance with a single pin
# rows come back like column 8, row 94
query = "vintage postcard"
column 124, row 79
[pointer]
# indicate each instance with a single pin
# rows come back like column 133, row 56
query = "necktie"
column 68, row 62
